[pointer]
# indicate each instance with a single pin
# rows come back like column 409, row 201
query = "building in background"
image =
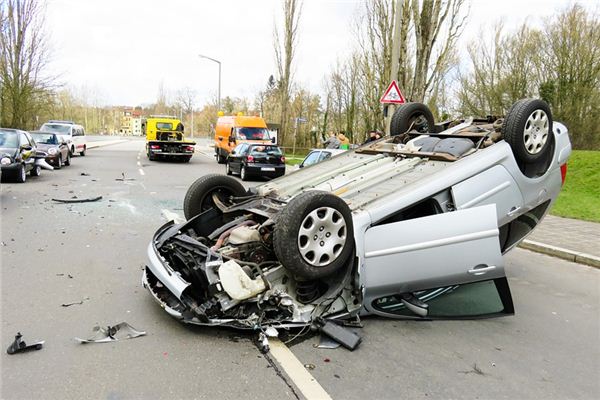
column 131, row 122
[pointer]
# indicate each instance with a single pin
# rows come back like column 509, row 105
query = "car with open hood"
column 413, row 225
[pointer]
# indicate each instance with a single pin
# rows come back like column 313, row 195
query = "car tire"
column 21, row 174
column 221, row 159
column 410, row 115
column 527, row 128
column 243, row 173
column 59, row 162
column 36, row 171
column 227, row 169
column 82, row 153
column 199, row 195
column 307, row 248
column 68, row 160
column 150, row 156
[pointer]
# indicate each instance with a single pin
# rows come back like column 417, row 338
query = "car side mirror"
column 273, row 140
column 232, row 151
column 26, row 147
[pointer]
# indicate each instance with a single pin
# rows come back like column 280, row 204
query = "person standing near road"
column 332, row 142
column 371, row 138
column 344, row 142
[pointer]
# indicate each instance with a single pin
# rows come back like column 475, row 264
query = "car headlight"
column 52, row 151
column 5, row 161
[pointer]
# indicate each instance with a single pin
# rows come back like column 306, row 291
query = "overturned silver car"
column 411, row 226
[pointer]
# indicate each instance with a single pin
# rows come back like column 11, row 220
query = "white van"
column 72, row 133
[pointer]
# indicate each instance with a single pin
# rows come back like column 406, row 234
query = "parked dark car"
column 18, row 155
column 256, row 160
column 56, row 147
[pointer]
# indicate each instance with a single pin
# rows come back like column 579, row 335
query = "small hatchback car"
column 410, row 226
column 252, row 160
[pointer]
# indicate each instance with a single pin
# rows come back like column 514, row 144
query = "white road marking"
column 141, row 172
column 139, row 163
column 306, row 383
column 171, row 216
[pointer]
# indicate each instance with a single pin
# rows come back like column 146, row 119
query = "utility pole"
column 395, row 60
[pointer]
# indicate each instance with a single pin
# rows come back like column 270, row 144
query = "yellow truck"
column 165, row 139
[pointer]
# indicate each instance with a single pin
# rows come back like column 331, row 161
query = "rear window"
column 167, row 126
column 58, row 128
column 270, row 150
column 45, row 138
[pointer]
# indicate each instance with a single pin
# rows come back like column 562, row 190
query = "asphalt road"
column 93, row 252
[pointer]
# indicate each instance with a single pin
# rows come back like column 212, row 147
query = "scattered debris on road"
column 112, row 333
column 19, row 345
column 85, row 174
column 75, row 302
column 123, row 179
column 69, row 201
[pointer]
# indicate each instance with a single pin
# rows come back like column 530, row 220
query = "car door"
column 423, row 257
column 235, row 158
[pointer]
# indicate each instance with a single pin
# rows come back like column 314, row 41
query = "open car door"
column 447, row 265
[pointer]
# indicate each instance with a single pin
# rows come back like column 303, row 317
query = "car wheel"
column 527, row 128
column 227, row 169
column 313, row 235
column 36, row 171
column 72, row 150
column 21, row 174
column 59, row 162
column 221, row 159
column 199, row 196
column 412, row 116
column 68, row 160
column 243, row 173
column 82, row 153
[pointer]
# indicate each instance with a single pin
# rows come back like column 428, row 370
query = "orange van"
column 233, row 130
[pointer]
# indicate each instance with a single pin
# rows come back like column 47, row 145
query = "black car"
column 18, row 155
column 256, row 160
column 56, row 147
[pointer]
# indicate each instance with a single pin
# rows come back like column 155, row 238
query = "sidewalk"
column 567, row 238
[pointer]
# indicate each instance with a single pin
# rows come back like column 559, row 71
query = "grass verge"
column 580, row 197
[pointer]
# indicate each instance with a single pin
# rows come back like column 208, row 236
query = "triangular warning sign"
column 392, row 95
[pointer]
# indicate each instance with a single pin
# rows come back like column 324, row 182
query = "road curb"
column 565, row 254
column 92, row 145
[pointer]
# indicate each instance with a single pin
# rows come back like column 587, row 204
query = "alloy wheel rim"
column 536, row 131
column 322, row 236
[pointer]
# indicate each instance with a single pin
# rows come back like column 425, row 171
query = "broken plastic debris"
column 309, row 366
column 263, row 343
column 89, row 200
column 19, row 346
column 325, row 342
column 271, row 332
column 112, row 333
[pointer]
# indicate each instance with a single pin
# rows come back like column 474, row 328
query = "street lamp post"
column 219, row 92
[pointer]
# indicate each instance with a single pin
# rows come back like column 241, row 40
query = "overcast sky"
column 123, row 49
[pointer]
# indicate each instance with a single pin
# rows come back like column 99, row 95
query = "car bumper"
column 265, row 169
column 52, row 160
column 10, row 167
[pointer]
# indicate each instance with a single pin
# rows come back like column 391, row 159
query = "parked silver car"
column 411, row 226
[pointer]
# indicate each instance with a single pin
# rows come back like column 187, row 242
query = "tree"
column 25, row 86
column 285, row 49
